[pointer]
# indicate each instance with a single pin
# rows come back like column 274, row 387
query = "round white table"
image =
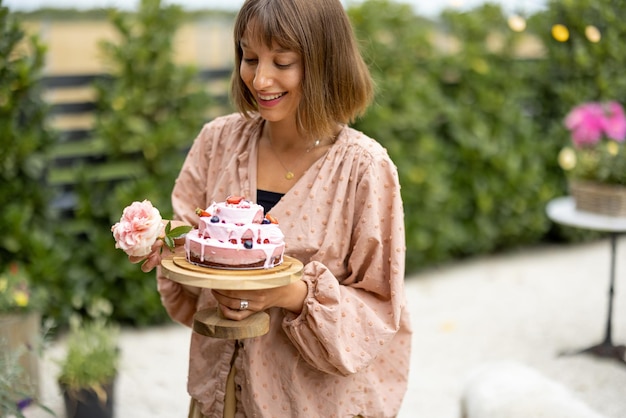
column 563, row 211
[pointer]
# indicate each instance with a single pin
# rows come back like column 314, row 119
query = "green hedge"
column 25, row 140
column 475, row 126
column 147, row 115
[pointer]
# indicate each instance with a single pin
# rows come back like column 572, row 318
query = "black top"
column 267, row 199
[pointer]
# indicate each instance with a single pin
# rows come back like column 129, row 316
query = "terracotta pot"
column 599, row 198
column 21, row 333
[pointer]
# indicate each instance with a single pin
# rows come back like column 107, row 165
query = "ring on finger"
column 243, row 305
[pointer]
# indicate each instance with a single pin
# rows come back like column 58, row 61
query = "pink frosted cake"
column 235, row 235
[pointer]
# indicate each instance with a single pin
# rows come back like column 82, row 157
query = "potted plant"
column 89, row 369
column 596, row 162
column 20, row 329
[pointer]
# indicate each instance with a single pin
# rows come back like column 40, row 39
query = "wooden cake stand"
column 210, row 322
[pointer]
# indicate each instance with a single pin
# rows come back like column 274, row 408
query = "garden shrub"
column 459, row 126
column 148, row 112
column 26, row 140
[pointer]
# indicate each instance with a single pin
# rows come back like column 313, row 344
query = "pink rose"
column 590, row 121
column 138, row 229
column 586, row 123
column 615, row 122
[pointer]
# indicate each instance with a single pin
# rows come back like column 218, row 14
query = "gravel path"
column 525, row 307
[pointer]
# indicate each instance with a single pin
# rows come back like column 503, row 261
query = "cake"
column 234, row 234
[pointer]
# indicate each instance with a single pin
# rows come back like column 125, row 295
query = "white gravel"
column 526, row 307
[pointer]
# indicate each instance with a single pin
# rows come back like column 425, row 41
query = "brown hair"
column 336, row 86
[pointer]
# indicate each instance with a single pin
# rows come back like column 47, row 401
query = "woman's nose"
column 263, row 77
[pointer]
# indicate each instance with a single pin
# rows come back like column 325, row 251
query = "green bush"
column 148, row 113
column 459, row 125
column 580, row 69
column 25, row 236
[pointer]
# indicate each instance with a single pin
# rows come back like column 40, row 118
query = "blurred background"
column 470, row 104
column 100, row 100
column 430, row 8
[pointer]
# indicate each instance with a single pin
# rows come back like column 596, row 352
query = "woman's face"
column 274, row 76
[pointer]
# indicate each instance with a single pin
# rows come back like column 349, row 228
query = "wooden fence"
column 72, row 114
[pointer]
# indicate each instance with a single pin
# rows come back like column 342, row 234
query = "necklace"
column 289, row 175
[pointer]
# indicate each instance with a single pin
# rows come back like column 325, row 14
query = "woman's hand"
column 158, row 252
column 290, row 297
column 153, row 259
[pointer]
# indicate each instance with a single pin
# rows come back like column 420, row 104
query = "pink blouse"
column 348, row 352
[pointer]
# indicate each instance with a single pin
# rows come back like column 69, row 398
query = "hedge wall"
column 474, row 122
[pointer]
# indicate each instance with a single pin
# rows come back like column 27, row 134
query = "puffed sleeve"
column 179, row 304
column 346, row 322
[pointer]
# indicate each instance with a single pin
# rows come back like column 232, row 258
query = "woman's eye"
column 249, row 60
column 282, row 66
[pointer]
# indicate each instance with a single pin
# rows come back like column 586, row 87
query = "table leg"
column 606, row 348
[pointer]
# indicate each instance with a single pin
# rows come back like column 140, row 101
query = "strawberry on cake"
column 235, row 235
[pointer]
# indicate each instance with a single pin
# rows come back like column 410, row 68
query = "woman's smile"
column 269, row 100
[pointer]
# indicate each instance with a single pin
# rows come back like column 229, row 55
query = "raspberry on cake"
column 234, row 234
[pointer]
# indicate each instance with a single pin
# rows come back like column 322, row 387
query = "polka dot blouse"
column 347, row 353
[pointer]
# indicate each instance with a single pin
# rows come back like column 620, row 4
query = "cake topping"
column 271, row 219
column 202, row 213
column 234, row 200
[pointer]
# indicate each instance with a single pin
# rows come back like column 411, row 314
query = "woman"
column 339, row 340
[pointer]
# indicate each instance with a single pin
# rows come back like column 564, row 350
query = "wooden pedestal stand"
column 210, row 322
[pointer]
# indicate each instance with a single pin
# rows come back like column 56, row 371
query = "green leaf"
column 179, row 231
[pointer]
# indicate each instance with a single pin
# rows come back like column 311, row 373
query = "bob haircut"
column 336, row 86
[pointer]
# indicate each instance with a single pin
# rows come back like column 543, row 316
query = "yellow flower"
column 21, row 298
column 517, row 23
column 612, row 148
column 567, row 158
column 560, row 32
column 593, row 34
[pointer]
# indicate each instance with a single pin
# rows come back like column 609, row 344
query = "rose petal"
column 138, row 229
